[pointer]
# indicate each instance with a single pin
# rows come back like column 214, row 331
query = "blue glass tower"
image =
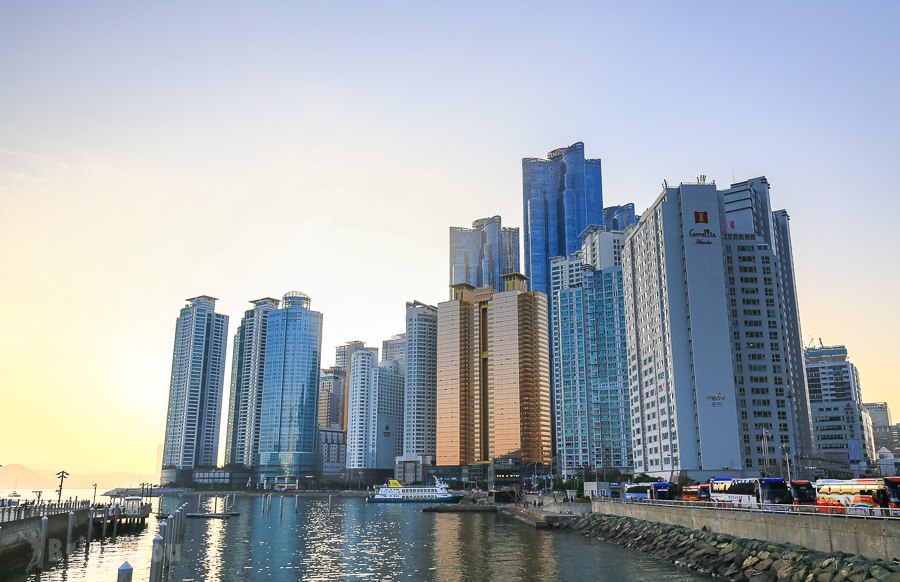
column 562, row 196
column 481, row 255
column 287, row 447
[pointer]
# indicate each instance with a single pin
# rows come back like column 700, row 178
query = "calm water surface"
column 360, row 541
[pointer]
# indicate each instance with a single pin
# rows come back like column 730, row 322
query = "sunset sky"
column 151, row 152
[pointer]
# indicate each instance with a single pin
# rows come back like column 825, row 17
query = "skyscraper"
column 562, row 196
column 842, row 426
column 618, row 218
column 590, row 366
column 709, row 329
column 195, row 389
column 420, row 393
column 481, row 255
column 332, row 388
column 493, row 379
column 343, row 360
column 288, row 447
column 394, row 348
column 247, row 366
column 375, row 422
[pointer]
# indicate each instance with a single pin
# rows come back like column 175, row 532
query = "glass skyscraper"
column 287, row 448
column 481, row 255
column 590, row 365
column 247, row 366
column 195, row 390
column 562, row 196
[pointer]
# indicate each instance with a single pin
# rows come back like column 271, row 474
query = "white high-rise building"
column 842, row 425
column 420, row 394
column 712, row 331
column 195, row 390
column 247, row 365
column 375, row 421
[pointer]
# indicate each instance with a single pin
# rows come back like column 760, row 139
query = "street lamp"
column 95, row 494
column 62, row 475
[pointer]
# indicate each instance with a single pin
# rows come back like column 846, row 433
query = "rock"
column 764, row 577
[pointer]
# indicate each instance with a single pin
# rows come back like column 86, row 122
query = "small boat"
column 394, row 492
column 14, row 494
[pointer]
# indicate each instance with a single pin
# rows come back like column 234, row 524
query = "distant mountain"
column 21, row 478
column 29, row 479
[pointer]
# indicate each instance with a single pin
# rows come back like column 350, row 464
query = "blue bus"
column 661, row 491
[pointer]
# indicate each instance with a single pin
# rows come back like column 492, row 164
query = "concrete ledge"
column 874, row 538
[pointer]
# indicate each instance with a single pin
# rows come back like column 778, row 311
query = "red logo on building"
column 701, row 217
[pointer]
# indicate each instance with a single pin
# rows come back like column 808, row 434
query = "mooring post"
column 43, row 542
column 125, row 572
column 199, row 495
column 281, row 506
column 171, row 545
column 90, row 525
column 69, row 533
column 156, row 559
column 163, row 531
column 296, row 504
column 330, row 506
column 105, row 518
column 116, row 522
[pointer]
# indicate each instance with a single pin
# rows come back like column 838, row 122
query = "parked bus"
column 858, row 496
column 803, row 493
column 750, row 492
column 649, row 491
column 695, row 492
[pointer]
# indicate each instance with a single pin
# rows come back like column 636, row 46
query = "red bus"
column 803, row 493
column 695, row 492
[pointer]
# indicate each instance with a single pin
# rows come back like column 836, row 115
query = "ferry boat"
column 394, row 492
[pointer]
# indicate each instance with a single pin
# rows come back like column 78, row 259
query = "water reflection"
column 361, row 542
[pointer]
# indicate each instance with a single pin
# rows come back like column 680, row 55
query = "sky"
column 152, row 152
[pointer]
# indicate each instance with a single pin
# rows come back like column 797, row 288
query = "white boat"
column 394, row 492
column 14, row 494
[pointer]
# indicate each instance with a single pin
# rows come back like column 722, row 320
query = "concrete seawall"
column 19, row 540
column 873, row 538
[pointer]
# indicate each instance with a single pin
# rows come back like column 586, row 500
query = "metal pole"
column 156, row 559
column 116, row 511
column 164, row 532
column 171, row 545
column 43, row 541
column 125, row 572
column 69, row 533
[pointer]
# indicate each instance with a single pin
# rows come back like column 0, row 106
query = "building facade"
column 882, row 429
column 375, row 423
column 590, row 370
column 247, row 368
column 482, row 254
column 288, row 450
column 714, row 390
column 420, row 393
column 343, row 360
column 394, row 348
column 332, row 390
column 195, row 389
column 332, row 454
column 842, row 426
column 562, row 196
column 493, row 376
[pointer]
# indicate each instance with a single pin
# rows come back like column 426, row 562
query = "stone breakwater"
column 734, row 558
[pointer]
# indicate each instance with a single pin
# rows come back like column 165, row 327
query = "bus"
column 859, row 496
column 663, row 491
column 803, row 493
column 695, row 492
column 750, row 492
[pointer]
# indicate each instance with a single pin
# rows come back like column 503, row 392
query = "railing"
column 28, row 510
column 822, row 510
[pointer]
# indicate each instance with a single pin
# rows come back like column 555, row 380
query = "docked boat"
column 394, row 492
